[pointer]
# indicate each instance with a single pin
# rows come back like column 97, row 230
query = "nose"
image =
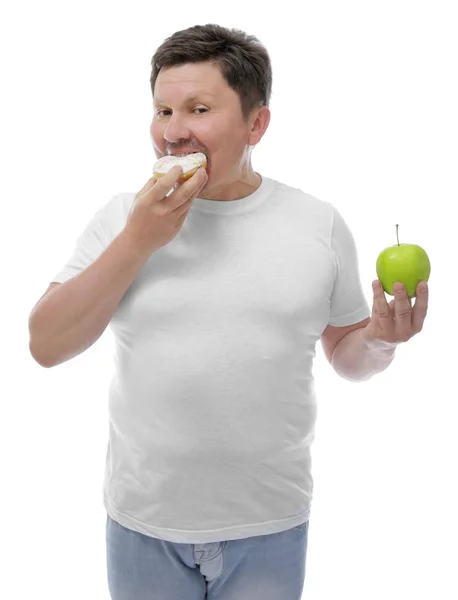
column 176, row 129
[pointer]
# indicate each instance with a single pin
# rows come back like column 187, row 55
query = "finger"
column 380, row 306
column 164, row 184
column 149, row 184
column 420, row 308
column 402, row 312
column 189, row 189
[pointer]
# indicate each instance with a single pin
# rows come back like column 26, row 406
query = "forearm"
column 357, row 359
column 75, row 314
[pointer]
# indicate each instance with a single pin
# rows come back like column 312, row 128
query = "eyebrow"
column 189, row 100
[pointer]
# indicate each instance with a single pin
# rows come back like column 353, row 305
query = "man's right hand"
column 155, row 218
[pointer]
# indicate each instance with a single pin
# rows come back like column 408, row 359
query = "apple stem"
column 397, row 234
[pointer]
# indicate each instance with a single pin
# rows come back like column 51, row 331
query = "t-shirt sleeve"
column 90, row 244
column 348, row 302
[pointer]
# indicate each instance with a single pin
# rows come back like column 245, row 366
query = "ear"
column 259, row 122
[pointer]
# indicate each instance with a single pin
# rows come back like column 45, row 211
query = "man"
column 217, row 291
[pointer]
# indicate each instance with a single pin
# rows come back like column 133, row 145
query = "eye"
column 161, row 112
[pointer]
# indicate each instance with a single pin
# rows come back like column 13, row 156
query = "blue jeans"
column 266, row 567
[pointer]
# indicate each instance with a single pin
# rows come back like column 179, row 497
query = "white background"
column 364, row 114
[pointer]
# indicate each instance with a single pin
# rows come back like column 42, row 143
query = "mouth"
column 185, row 153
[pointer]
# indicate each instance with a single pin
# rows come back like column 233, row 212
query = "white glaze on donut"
column 188, row 163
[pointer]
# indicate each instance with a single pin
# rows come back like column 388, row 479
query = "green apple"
column 405, row 263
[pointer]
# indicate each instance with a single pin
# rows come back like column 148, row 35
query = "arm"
column 356, row 357
column 69, row 320
column 359, row 351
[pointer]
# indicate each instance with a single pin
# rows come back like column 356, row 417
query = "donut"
column 190, row 164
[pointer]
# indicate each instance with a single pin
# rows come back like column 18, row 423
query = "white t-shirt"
column 212, row 405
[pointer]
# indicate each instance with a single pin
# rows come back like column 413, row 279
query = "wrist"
column 376, row 344
column 133, row 247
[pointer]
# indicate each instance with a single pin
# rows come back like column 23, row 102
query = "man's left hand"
column 397, row 321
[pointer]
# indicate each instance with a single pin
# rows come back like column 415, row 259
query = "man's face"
column 196, row 110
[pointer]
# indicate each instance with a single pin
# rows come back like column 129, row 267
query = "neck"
column 238, row 187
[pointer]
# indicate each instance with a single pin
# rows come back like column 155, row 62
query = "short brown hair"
column 244, row 62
